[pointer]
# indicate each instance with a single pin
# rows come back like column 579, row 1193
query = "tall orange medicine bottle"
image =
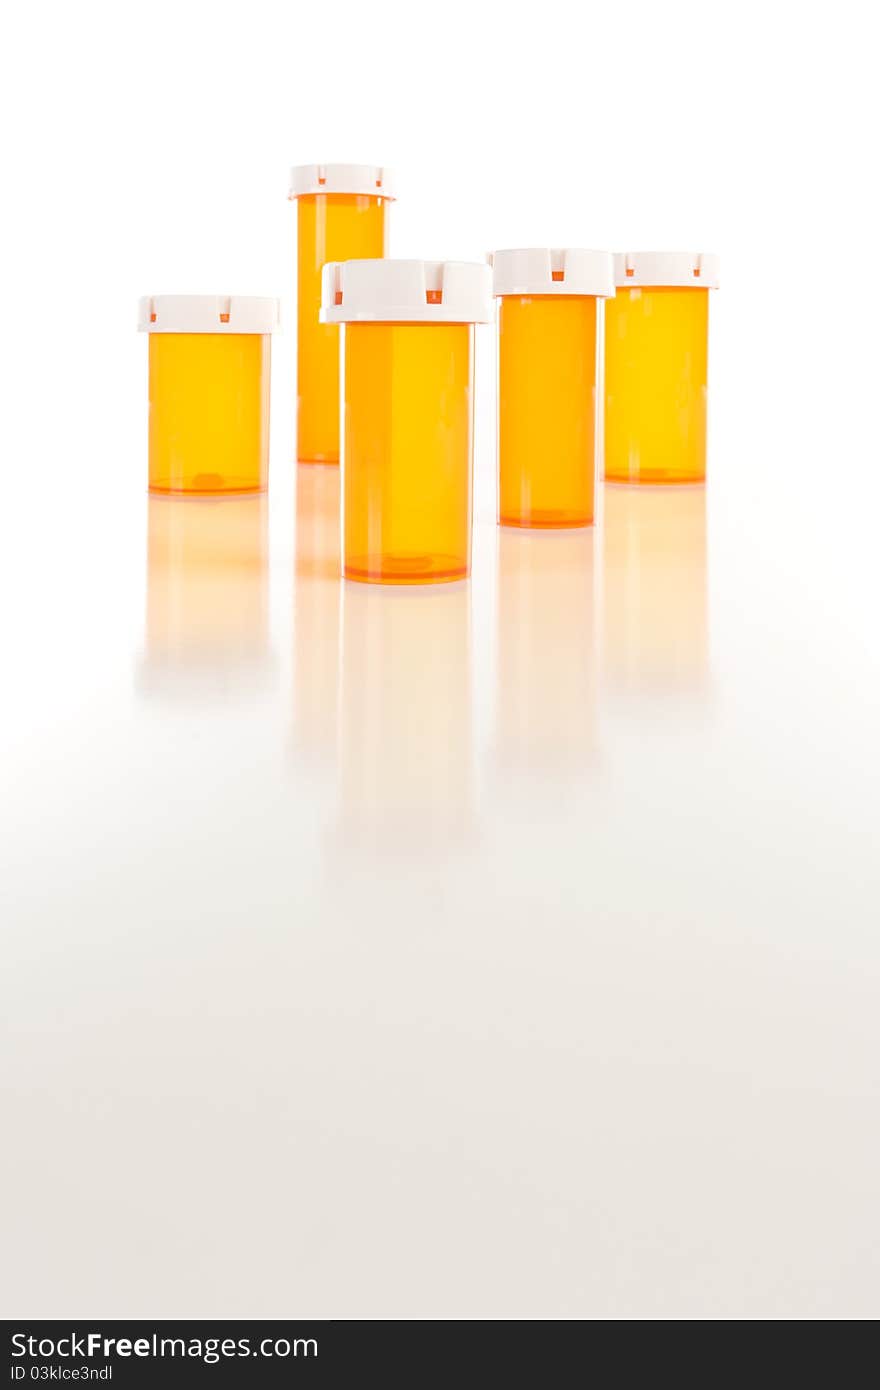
column 342, row 215
column 656, row 367
column 408, row 397
column 548, row 319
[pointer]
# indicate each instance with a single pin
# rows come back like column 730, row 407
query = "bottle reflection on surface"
column 405, row 715
column 316, row 616
column 655, row 636
column 546, row 662
column 207, row 625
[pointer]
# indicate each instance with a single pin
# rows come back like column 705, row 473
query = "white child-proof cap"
column 551, row 270
column 391, row 291
column 207, row 313
column 373, row 179
column 695, row 270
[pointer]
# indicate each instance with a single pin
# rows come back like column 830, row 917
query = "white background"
column 350, row 967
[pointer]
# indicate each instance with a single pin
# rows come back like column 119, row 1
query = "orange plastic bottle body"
column 408, row 452
column 330, row 227
column 656, row 369
column 209, row 412
column 546, row 410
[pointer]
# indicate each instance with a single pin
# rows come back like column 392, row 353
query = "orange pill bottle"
column 209, row 392
column 408, row 396
column 342, row 215
column 547, row 363
column 656, row 367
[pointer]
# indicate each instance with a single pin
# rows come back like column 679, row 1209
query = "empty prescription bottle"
column 408, row 373
column 656, row 367
column 547, row 362
column 342, row 215
column 209, row 392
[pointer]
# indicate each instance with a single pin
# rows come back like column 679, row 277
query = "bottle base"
column 208, row 485
column 407, row 569
column 656, row 480
column 548, row 521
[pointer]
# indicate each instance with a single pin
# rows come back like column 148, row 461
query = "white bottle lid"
column 373, row 179
column 695, row 270
column 550, row 270
column 207, row 313
column 392, row 291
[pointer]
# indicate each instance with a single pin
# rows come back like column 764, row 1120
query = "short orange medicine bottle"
column 342, row 215
column 408, row 397
column 656, row 367
column 547, row 363
column 209, row 392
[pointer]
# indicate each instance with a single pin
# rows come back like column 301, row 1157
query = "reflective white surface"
column 511, row 949
column 503, row 948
